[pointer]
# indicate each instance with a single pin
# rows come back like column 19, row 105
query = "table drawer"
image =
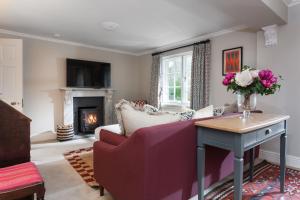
column 269, row 131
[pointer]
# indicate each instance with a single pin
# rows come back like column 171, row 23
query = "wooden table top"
column 237, row 125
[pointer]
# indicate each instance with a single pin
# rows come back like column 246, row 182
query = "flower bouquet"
column 250, row 82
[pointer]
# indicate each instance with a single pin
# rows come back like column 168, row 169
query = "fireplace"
column 88, row 120
column 88, row 114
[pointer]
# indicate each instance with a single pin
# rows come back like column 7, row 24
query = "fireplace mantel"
column 69, row 93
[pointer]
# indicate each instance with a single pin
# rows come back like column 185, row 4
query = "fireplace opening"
column 88, row 120
column 88, row 114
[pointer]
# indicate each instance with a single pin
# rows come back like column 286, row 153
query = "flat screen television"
column 88, row 74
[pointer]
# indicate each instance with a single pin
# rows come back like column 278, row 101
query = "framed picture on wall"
column 232, row 60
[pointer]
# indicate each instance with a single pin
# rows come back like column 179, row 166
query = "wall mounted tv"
column 88, row 74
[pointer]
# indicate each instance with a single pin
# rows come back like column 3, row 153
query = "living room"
column 134, row 44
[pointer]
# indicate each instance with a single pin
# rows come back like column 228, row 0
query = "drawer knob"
column 268, row 131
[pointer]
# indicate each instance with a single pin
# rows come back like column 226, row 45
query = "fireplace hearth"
column 88, row 114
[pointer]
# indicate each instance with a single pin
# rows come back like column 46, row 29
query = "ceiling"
column 291, row 2
column 143, row 25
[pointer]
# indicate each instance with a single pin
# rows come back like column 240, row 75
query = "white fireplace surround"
column 69, row 94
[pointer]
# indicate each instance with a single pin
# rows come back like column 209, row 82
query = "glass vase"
column 246, row 103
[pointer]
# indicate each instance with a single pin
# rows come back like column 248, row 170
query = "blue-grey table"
column 239, row 135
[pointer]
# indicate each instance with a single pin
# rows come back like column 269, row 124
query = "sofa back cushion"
column 204, row 112
column 131, row 119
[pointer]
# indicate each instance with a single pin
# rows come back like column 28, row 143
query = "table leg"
column 238, row 177
column 251, row 163
column 282, row 161
column 201, row 171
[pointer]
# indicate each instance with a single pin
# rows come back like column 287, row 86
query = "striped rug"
column 265, row 185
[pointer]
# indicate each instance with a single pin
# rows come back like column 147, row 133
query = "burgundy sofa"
column 157, row 162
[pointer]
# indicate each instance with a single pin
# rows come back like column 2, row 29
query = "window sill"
column 174, row 107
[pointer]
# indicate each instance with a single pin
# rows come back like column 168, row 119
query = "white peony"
column 254, row 73
column 244, row 78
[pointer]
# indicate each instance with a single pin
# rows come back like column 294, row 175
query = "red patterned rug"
column 82, row 161
column 265, row 185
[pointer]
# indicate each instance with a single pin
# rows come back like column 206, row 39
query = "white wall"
column 45, row 73
column 284, row 59
column 218, row 92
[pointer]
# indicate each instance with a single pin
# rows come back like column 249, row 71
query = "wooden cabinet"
column 14, row 136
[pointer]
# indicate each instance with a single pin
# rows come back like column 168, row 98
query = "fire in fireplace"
column 88, row 114
column 88, row 120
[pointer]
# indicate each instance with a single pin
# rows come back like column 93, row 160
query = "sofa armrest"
column 120, row 169
column 111, row 137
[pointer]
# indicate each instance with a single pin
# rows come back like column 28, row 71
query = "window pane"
column 178, row 80
column 178, row 93
column 171, row 66
column 178, row 67
column 171, row 94
column 170, row 80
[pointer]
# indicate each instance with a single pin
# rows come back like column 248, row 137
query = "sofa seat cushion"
column 111, row 137
column 19, row 176
column 114, row 128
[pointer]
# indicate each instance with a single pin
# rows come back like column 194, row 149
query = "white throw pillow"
column 115, row 128
column 133, row 119
column 204, row 112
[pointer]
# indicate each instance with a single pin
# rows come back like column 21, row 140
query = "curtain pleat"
column 155, row 79
column 200, row 75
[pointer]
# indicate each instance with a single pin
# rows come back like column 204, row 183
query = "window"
column 176, row 79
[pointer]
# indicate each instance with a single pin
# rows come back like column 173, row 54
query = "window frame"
column 165, row 80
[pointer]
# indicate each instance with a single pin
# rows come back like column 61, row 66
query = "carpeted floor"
column 61, row 180
column 265, row 185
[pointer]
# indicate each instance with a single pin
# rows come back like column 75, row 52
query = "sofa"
column 157, row 162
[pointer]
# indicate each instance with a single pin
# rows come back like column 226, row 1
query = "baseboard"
column 273, row 157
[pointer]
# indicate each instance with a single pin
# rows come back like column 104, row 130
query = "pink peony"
column 265, row 74
column 266, row 83
column 226, row 82
column 230, row 76
column 228, row 79
column 267, row 78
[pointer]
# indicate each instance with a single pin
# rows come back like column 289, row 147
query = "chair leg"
column 40, row 195
column 101, row 190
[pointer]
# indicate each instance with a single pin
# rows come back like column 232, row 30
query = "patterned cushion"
column 19, row 176
column 139, row 103
column 187, row 115
column 150, row 109
column 218, row 111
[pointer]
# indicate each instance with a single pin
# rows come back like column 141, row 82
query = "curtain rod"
column 201, row 42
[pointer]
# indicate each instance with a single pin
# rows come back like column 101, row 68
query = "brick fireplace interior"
column 88, row 114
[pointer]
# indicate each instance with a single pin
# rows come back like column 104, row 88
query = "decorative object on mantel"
column 232, row 60
column 65, row 132
column 248, row 83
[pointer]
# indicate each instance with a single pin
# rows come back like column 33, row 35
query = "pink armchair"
column 157, row 162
